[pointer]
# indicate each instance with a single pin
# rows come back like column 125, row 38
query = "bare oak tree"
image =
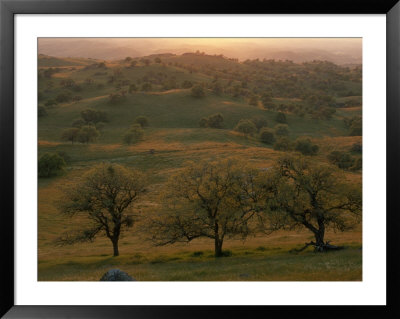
column 105, row 196
column 209, row 199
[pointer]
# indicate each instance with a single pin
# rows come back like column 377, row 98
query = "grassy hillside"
column 159, row 90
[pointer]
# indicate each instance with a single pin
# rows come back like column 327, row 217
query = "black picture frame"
column 9, row 8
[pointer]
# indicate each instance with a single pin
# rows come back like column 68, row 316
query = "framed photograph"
column 207, row 161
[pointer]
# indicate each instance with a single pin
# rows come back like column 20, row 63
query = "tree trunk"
column 218, row 247
column 115, row 247
column 319, row 240
column 217, row 241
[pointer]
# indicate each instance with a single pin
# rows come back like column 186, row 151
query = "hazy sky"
column 242, row 48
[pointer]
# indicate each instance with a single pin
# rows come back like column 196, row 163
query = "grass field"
column 174, row 137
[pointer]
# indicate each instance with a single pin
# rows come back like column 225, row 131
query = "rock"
column 116, row 275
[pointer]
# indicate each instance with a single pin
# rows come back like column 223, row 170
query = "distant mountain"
column 86, row 49
column 297, row 50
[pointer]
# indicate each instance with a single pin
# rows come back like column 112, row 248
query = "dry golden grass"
column 328, row 144
column 47, row 143
column 352, row 109
column 166, row 92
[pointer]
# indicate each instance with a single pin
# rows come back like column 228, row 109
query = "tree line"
column 218, row 200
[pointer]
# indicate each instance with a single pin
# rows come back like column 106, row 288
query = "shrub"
column 115, row 98
column 341, row 159
column 94, row 116
column 281, row 130
column 50, row 165
column 216, row 120
column 63, row 97
column 283, row 144
column 213, row 121
column 142, row 121
column 259, row 122
column 246, row 127
column 267, row 136
column 133, row 135
column 198, row 91
column 305, row 146
column 281, row 118
column 354, row 125
column 203, row 122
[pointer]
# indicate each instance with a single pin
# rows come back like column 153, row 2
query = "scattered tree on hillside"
column 64, row 97
column 50, row 164
column 217, row 88
column 354, row 125
column 88, row 133
column 281, row 118
column 105, row 196
column 70, row 134
column 253, row 100
column 313, row 196
column 133, row 135
column 115, row 98
column 281, row 130
column 283, row 144
column 213, row 121
column 266, row 98
column 198, row 91
column 323, row 113
column 76, row 98
column 305, row 146
column 67, row 83
column 341, row 159
column 213, row 200
column 132, row 88
column 91, row 116
column 259, row 122
column 246, row 127
column 143, row 121
column 267, row 136
column 146, row 62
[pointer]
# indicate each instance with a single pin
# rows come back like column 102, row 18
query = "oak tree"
column 105, row 196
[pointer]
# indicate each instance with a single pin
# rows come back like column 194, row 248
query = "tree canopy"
column 313, row 196
column 105, row 197
column 215, row 200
